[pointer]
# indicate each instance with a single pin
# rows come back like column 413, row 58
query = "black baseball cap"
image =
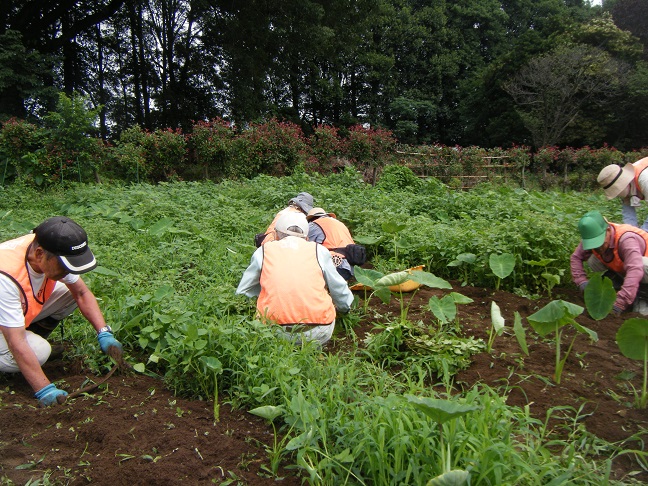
column 67, row 240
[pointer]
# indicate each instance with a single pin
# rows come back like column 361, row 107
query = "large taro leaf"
column 429, row 279
column 502, row 265
column 554, row 315
column 443, row 309
column 396, row 278
column 460, row 298
column 632, row 338
column 440, row 410
column 268, row 412
column 463, row 258
column 368, row 240
column 366, row 276
column 520, row 335
column 599, row 296
column 456, row 477
column 392, row 227
column 496, row 318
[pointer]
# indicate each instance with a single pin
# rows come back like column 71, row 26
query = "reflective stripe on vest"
column 639, row 166
column 616, row 264
column 336, row 234
column 293, row 289
column 13, row 264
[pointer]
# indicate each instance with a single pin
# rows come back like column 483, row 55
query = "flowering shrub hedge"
column 65, row 148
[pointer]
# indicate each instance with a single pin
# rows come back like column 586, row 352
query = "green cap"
column 592, row 228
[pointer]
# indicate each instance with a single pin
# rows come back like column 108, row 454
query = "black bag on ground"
column 355, row 254
column 258, row 239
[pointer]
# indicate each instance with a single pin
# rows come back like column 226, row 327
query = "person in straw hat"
column 620, row 250
column 297, row 284
column 630, row 184
column 326, row 229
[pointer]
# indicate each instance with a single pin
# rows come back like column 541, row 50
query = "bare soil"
column 132, row 430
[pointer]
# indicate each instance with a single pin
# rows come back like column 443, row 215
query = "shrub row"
column 66, row 147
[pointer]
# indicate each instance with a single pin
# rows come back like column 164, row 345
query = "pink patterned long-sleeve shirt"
column 632, row 248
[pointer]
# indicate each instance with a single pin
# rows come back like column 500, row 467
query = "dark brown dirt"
column 131, row 430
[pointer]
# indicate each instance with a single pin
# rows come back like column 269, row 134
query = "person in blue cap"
column 40, row 284
column 621, row 250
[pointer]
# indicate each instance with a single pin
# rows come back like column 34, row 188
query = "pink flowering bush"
column 212, row 144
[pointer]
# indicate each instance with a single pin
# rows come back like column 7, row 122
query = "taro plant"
column 502, row 266
column 270, row 413
column 381, row 284
column 463, row 261
column 599, row 296
column 215, row 367
column 442, row 411
column 553, row 318
column 393, row 229
column 632, row 339
column 497, row 325
column 445, row 308
column 550, row 276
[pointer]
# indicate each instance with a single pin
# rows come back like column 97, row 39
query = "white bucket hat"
column 291, row 219
column 614, row 179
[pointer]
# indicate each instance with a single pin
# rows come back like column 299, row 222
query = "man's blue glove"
column 616, row 310
column 583, row 286
column 108, row 341
column 48, row 395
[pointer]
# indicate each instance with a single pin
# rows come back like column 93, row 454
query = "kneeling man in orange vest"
column 39, row 286
column 619, row 249
column 297, row 284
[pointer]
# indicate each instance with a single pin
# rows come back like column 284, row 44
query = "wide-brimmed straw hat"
column 614, row 179
column 317, row 213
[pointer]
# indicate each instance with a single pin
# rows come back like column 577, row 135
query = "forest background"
column 545, row 75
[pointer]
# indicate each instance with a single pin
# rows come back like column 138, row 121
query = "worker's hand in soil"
column 48, row 395
column 109, row 345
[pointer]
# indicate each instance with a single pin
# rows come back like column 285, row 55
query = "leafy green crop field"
column 170, row 258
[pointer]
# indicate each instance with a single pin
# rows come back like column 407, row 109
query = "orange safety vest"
column 336, row 234
column 639, row 166
column 270, row 234
column 616, row 264
column 293, row 289
column 13, row 264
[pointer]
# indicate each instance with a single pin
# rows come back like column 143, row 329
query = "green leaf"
column 160, row 227
column 440, row 410
column 460, row 298
column 520, row 333
column 554, row 315
column 392, row 227
column 366, row 276
column 105, row 271
column 268, row 412
column 214, row 364
column 443, row 309
column 368, row 240
column 502, row 265
column 139, row 367
column 632, row 338
column 396, row 278
column 497, row 319
column 430, row 280
column 456, row 477
column 599, row 296
column 384, row 294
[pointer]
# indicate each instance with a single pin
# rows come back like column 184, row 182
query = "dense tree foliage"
column 431, row 71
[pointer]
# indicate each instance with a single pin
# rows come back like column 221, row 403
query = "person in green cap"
column 618, row 248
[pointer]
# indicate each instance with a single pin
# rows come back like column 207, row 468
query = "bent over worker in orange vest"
column 619, row 249
column 296, row 282
column 39, row 286
column 301, row 203
column 326, row 229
